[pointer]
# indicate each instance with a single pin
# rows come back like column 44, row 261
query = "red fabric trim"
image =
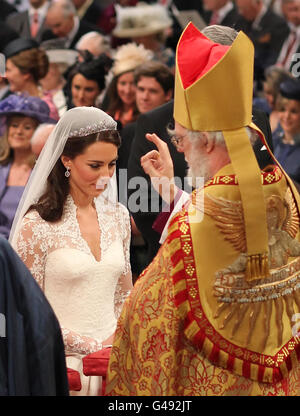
column 288, row 363
column 297, row 350
column 74, row 379
column 163, row 217
column 214, row 355
column 230, row 362
column 277, row 375
column 96, row 363
column 193, row 66
column 269, row 177
column 246, row 369
column 180, row 297
column 199, row 339
column 261, row 372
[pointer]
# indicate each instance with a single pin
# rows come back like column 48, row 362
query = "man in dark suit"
column 7, row 34
column 266, row 29
column 220, row 12
column 31, row 23
column 6, row 9
column 64, row 23
column 88, row 11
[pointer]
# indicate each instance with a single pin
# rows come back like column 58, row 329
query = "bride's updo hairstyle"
column 51, row 203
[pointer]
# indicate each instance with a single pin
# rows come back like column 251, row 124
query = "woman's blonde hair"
column 7, row 153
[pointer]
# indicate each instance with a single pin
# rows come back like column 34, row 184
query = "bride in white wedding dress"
column 74, row 241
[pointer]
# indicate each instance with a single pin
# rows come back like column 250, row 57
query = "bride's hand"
column 109, row 341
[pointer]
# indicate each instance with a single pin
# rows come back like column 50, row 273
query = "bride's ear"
column 65, row 160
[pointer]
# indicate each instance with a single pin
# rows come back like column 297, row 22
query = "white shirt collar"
column 258, row 18
column 73, row 32
column 42, row 11
column 223, row 11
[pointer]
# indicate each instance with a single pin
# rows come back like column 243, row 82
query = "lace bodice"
column 85, row 294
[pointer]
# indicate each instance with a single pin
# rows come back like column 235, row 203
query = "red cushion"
column 96, row 363
column 74, row 379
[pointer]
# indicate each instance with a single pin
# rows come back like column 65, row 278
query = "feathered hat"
column 130, row 56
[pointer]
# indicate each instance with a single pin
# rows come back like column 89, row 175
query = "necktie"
column 291, row 43
column 214, row 20
column 34, row 25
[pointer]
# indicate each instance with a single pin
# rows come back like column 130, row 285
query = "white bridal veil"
column 79, row 121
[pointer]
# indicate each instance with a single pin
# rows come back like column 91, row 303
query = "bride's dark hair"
column 51, row 203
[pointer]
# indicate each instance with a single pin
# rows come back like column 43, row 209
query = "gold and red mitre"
column 236, row 272
column 213, row 92
column 213, row 82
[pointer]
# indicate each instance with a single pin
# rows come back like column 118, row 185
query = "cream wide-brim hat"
column 64, row 57
column 141, row 20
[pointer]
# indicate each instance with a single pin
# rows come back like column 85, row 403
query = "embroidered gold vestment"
column 193, row 324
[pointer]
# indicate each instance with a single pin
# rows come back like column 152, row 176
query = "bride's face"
column 90, row 171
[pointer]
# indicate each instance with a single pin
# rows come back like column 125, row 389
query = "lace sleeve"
column 80, row 344
column 124, row 285
column 32, row 249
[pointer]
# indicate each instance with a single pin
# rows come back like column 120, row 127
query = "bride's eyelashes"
column 98, row 165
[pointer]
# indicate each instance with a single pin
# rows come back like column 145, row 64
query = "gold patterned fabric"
column 193, row 324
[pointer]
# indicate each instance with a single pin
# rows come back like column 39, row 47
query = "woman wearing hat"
column 121, row 90
column 147, row 25
column 86, row 81
column 26, row 65
column 19, row 116
column 286, row 138
column 60, row 61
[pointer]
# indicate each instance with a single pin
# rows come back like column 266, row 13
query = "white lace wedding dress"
column 85, row 294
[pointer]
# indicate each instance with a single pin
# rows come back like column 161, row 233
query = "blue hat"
column 290, row 89
column 25, row 105
column 18, row 45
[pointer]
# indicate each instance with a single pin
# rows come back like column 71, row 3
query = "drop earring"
column 67, row 172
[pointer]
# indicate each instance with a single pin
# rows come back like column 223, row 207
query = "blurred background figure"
column 7, row 33
column 291, row 45
column 64, row 23
column 19, row 5
column 60, row 61
column 6, row 9
column 31, row 23
column 220, row 12
column 120, row 100
column 88, row 10
column 154, row 83
column 19, row 116
column 267, row 31
column 4, row 88
column 26, row 65
column 107, row 21
column 286, row 138
column 269, row 103
column 39, row 138
column 86, row 81
column 95, row 43
column 146, row 24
